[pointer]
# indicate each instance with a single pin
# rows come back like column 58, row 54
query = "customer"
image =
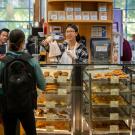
column 127, row 53
column 73, row 51
column 3, row 41
column 26, row 117
column 132, row 42
column 30, row 45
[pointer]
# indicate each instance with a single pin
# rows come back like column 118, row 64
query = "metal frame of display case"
column 126, row 95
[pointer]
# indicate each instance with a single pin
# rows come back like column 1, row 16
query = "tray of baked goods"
column 108, row 100
column 57, row 76
column 111, row 75
column 53, row 127
column 52, row 114
column 106, row 127
column 107, row 88
column 57, row 88
column 53, row 101
column 103, row 114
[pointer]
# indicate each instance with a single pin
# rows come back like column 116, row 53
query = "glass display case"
column 109, row 90
column 54, row 112
column 87, row 100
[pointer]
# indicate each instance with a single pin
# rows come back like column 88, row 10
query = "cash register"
column 100, row 50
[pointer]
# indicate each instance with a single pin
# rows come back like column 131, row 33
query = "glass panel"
column 131, row 15
column 120, row 4
column 130, row 4
column 130, row 29
column 12, row 25
column 17, row 15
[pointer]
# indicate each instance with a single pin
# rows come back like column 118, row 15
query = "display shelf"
column 54, row 112
column 83, row 21
column 110, row 105
column 108, row 1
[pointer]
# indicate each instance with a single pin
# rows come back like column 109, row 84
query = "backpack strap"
column 7, row 59
column 25, row 56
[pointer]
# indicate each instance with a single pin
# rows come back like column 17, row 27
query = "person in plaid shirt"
column 73, row 51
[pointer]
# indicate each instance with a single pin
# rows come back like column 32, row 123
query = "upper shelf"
column 82, row 21
column 80, row 0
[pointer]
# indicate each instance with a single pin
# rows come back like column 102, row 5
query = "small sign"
column 114, row 80
column 62, row 92
column 50, row 116
column 50, row 128
column 49, row 79
column 50, row 104
column 114, row 128
column 102, row 48
column 115, row 92
column 62, row 79
column 114, row 116
column 114, row 104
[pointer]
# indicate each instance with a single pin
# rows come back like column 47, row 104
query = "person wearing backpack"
column 20, row 74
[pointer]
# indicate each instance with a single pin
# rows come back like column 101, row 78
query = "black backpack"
column 18, row 84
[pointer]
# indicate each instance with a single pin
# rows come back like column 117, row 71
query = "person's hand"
column 2, row 56
column 44, row 43
column 71, row 54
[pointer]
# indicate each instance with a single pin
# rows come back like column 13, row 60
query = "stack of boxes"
column 73, row 11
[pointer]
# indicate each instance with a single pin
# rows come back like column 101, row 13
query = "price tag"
column 50, row 104
column 114, row 128
column 101, row 48
column 49, row 79
column 114, row 116
column 62, row 92
column 50, row 116
column 62, row 79
column 50, row 128
column 114, row 104
column 115, row 92
column 114, row 80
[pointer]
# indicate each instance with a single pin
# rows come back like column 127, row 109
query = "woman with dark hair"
column 26, row 117
column 73, row 51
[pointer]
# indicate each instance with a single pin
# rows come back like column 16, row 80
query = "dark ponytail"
column 16, row 38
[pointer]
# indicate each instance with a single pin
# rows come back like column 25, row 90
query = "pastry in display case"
column 54, row 112
column 110, row 95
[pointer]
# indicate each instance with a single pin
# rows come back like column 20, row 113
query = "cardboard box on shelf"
column 61, row 15
column 77, row 15
column 69, row 15
column 69, row 6
column 77, row 7
column 102, row 7
column 93, row 15
column 85, row 15
column 52, row 15
column 103, row 16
